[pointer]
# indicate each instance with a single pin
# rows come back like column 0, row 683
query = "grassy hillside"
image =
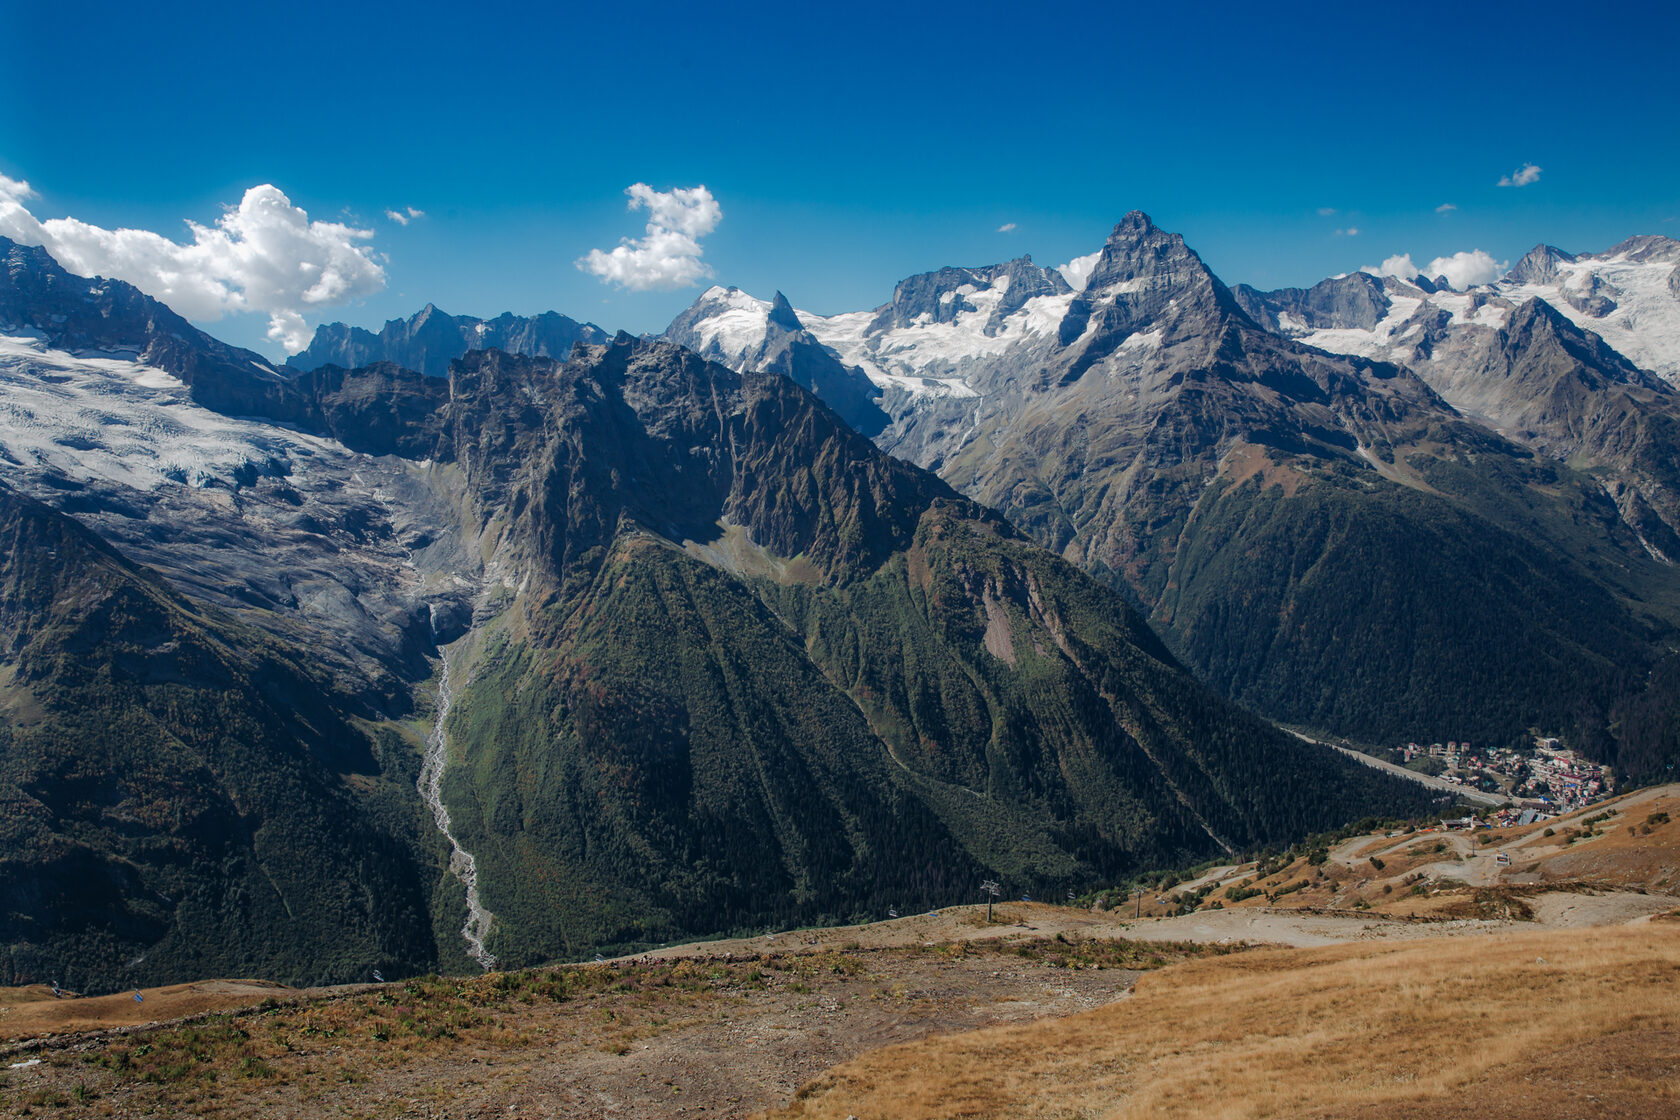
column 1389, row 613
column 843, row 689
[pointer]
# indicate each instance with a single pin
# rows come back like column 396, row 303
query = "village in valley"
column 1551, row 779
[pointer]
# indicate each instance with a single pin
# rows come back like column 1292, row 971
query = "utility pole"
column 992, row 890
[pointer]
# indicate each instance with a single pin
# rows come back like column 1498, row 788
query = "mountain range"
column 784, row 618
column 1464, row 533
column 698, row 657
column 431, row 339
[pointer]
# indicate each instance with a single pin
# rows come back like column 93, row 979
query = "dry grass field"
column 33, row 1012
column 660, row 1038
column 1409, row 975
column 1562, row 1024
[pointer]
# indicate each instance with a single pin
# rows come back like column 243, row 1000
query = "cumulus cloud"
column 402, row 218
column 1351, row 231
column 1399, row 266
column 264, row 255
column 669, row 255
column 1522, row 176
column 1462, row 270
column 14, row 191
column 1467, row 270
column 1006, row 227
column 1445, row 208
column 1327, row 211
column 1078, row 271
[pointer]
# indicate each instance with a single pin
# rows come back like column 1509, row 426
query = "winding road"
column 1474, row 796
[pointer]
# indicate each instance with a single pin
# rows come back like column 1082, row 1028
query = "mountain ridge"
column 430, row 339
column 1110, row 423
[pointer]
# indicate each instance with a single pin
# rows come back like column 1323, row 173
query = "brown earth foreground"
column 1410, row 974
column 1559, row 1024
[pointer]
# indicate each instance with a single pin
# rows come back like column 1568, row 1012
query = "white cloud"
column 1445, row 208
column 1467, row 270
column 1399, row 266
column 403, row 218
column 669, row 256
column 14, row 189
column 1351, row 231
column 289, row 329
column 1077, row 271
column 1006, row 227
column 1327, row 211
column 264, row 255
column 1462, row 270
column 1522, row 176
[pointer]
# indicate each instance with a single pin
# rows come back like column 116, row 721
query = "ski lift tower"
column 990, row 886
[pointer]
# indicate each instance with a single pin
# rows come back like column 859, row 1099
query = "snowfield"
column 115, row 420
column 924, row 358
column 1645, row 325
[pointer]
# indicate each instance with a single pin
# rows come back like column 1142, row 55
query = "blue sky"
column 847, row 146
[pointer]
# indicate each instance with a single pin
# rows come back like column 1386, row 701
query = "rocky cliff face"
column 77, row 313
column 1562, row 390
column 943, row 296
column 1531, row 357
column 729, row 326
column 1356, row 301
column 1626, row 295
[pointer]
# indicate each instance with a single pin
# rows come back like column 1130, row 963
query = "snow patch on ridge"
column 1374, row 343
column 737, row 327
